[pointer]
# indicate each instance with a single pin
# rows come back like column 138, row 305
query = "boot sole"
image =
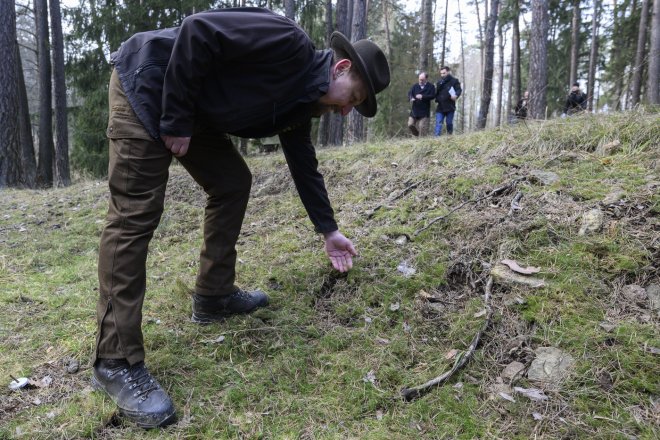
column 167, row 420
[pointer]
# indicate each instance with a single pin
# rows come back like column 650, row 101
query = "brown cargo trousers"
column 137, row 177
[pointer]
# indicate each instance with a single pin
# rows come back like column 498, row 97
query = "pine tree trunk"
column 336, row 121
column 653, row 83
column 575, row 43
column 28, row 168
column 356, row 125
column 500, row 74
column 487, row 85
column 460, row 28
column 62, row 174
column 593, row 57
column 426, row 38
column 10, row 159
column 517, row 76
column 290, row 9
column 538, row 59
column 444, row 35
column 322, row 138
column 46, row 147
column 638, row 69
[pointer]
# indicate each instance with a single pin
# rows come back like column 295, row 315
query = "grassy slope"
column 298, row 369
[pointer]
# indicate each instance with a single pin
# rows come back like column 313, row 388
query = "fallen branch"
column 514, row 203
column 370, row 213
column 414, row 392
column 493, row 193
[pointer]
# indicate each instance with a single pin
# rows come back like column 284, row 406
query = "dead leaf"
column 537, row 416
column 394, row 306
column 370, row 377
column 506, row 396
column 514, row 266
column 481, row 313
column 451, row 354
column 382, row 341
column 531, row 393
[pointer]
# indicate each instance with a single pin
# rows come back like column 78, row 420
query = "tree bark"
column 593, row 57
column 426, row 38
column 638, row 69
column 500, row 74
column 28, row 168
column 322, row 138
column 487, row 85
column 444, row 36
column 62, row 174
column 538, row 59
column 653, row 83
column 356, row 125
column 336, row 121
column 10, row 160
column 290, row 9
column 46, row 147
column 575, row 42
column 515, row 43
column 460, row 28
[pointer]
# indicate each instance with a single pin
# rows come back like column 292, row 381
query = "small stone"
column 73, row 366
column 550, row 366
column 592, row 221
column 608, row 327
column 401, row 240
column 609, row 148
column 634, row 293
column 503, row 275
column 543, row 177
column 405, row 269
column 653, row 294
column 512, row 370
column 394, row 306
column 614, row 197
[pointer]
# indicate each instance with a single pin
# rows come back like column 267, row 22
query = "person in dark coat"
column 180, row 92
column 447, row 91
column 576, row 102
column 420, row 95
column 521, row 108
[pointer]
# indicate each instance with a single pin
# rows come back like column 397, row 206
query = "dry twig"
column 414, row 392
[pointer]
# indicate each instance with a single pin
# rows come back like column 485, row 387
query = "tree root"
column 415, row 392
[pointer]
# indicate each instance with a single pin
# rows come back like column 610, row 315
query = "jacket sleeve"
column 209, row 42
column 410, row 93
column 457, row 88
column 437, row 92
column 303, row 165
column 429, row 93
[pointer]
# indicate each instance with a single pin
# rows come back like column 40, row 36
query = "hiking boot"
column 216, row 308
column 138, row 395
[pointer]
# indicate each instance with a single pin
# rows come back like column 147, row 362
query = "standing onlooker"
column 576, row 101
column 420, row 95
column 521, row 107
column 448, row 89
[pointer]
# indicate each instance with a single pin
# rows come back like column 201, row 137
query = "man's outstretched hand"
column 177, row 145
column 340, row 250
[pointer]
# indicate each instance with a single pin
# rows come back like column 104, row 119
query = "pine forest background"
column 55, row 70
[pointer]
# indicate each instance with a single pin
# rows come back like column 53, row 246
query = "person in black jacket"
column 420, row 95
column 447, row 91
column 179, row 92
column 576, row 102
column 521, row 108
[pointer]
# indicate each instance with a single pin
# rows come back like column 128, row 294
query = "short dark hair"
column 445, row 68
column 576, row 84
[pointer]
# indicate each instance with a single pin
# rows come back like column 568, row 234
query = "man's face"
column 575, row 88
column 444, row 73
column 346, row 90
column 422, row 79
column 526, row 95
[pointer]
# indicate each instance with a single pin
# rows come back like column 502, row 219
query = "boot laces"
column 142, row 380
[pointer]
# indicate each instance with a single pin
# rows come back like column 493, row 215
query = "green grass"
column 298, row 369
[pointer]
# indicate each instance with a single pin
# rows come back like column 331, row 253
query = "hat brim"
column 369, row 106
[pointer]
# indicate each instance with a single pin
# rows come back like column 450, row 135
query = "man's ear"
column 341, row 67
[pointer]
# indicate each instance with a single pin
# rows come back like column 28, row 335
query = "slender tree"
column 62, row 174
column 426, row 38
column 356, row 127
column 460, row 29
column 515, row 53
column 639, row 54
column 28, row 168
column 538, row 59
column 653, row 83
column 10, row 158
column 593, row 56
column 575, row 41
column 487, row 84
column 46, row 146
column 290, row 9
column 500, row 75
column 444, row 35
column 324, row 126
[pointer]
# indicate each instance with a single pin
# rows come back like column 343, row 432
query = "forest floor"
column 562, row 216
